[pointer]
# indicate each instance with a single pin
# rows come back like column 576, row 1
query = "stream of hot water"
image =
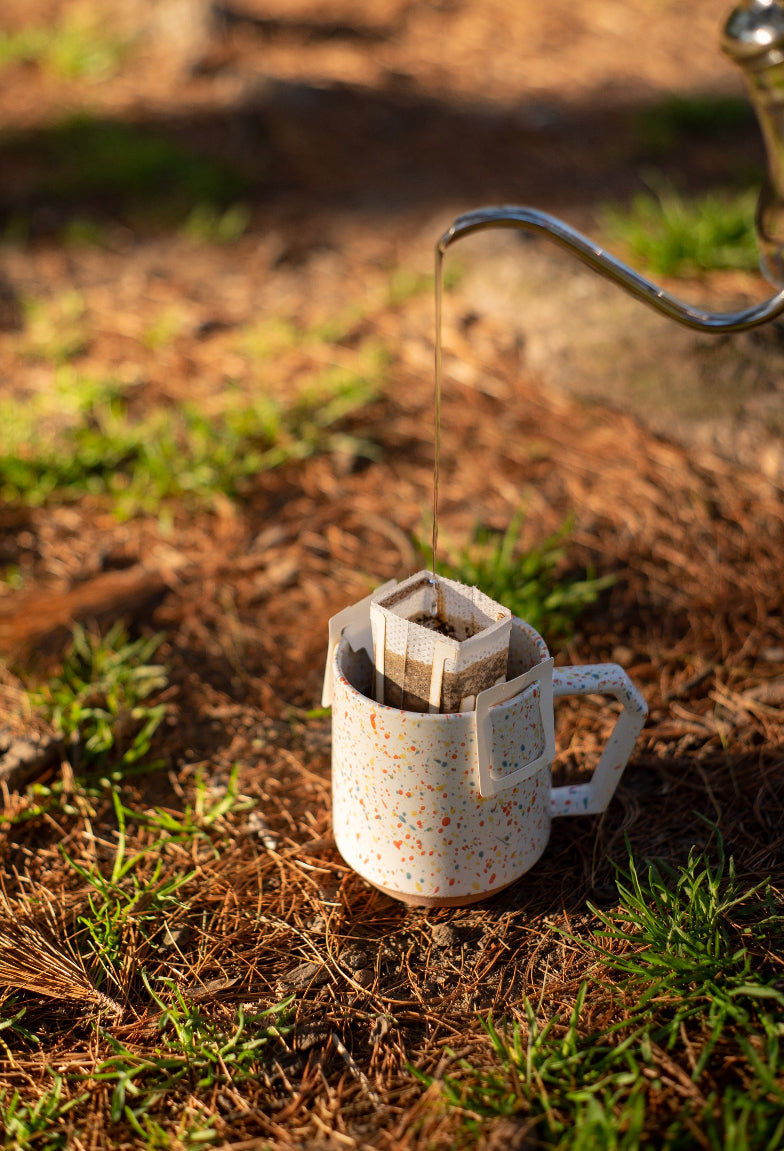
column 437, row 405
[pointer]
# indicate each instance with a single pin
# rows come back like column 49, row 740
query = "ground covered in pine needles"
column 218, row 406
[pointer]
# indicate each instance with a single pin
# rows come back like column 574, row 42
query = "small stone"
column 22, row 759
column 329, row 892
column 444, row 935
column 510, row 1134
column 303, row 977
column 312, row 1035
column 257, row 826
column 353, row 957
column 381, row 1028
column 175, row 938
column 364, row 976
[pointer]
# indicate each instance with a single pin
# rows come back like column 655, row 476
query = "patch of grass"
column 97, row 703
column 82, row 232
column 130, row 902
column 672, row 123
column 578, row 1091
column 14, row 1028
column 275, row 335
column 694, row 995
column 672, row 235
column 335, row 328
column 688, row 946
column 81, row 438
column 138, row 173
column 164, row 330
column 209, row 225
column 267, row 338
column 206, row 812
column 191, row 1131
column 406, row 284
column 55, row 330
column 76, row 48
column 530, row 583
column 163, row 1090
column 12, row 576
column 43, row 1123
column 196, row 1056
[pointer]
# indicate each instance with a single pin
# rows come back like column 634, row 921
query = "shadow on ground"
column 304, row 152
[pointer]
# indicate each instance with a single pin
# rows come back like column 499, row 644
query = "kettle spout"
column 754, row 38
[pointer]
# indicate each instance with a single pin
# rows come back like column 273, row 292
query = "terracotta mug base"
column 441, row 901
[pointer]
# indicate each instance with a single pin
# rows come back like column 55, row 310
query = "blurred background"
column 217, row 224
column 331, row 109
column 216, row 147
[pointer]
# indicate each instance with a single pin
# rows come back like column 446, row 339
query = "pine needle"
column 30, row 960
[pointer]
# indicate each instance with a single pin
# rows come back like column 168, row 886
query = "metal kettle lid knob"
column 755, row 29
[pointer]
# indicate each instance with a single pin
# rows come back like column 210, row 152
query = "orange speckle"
column 446, row 821
column 373, row 721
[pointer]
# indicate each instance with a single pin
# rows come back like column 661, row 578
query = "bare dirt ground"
column 361, row 132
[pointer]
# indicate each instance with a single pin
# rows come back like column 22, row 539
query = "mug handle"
column 600, row 679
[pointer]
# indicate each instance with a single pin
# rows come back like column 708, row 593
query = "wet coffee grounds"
column 452, row 629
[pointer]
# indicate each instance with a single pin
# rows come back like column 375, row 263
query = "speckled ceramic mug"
column 446, row 809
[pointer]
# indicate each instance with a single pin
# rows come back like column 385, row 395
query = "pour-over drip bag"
column 420, row 669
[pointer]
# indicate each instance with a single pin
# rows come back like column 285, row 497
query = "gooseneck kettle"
column 754, row 38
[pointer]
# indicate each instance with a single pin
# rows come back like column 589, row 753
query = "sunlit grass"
column 534, row 583
column 82, row 437
column 43, row 1123
column 75, row 48
column 674, row 235
column 688, row 964
column 209, row 225
column 193, row 1052
column 55, row 330
column 97, row 703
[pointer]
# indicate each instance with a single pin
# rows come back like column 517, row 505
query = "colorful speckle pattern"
column 518, row 731
column 407, row 812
